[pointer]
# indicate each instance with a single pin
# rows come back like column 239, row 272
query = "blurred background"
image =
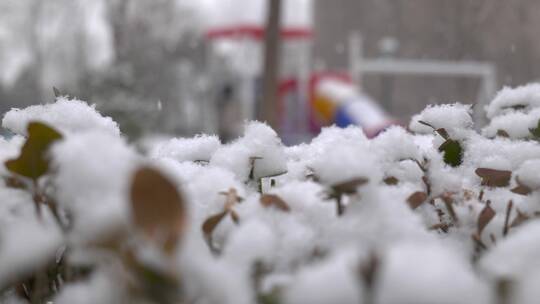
column 182, row 67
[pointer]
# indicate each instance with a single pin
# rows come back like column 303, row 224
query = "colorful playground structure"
column 308, row 100
column 335, row 100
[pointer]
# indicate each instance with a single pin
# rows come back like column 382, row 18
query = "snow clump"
column 437, row 213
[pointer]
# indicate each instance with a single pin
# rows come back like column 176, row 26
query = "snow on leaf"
column 33, row 161
column 158, row 208
column 493, row 177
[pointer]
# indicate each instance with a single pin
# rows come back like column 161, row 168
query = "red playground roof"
column 256, row 32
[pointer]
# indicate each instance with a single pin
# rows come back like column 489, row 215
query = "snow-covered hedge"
column 438, row 213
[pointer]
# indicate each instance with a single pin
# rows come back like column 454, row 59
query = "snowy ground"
column 436, row 214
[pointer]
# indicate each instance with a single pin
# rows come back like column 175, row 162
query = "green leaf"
column 268, row 298
column 391, row 180
column 536, row 131
column 453, row 152
column 33, row 161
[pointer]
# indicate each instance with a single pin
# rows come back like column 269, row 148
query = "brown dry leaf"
column 507, row 217
column 448, row 201
column 481, row 195
column 391, row 180
column 311, row 175
column 519, row 219
column 158, row 208
column 505, row 289
column 416, row 199
column 478, row 241
column 351, row 186
column 423, row 166
column 521, row 188
column 14, row 182
column 515, row 107
column 486, row 215
column 427, row 184
column 442, row 226
column 235, row 217
column 268, row 200
column 426, row 124
column 443, row 133
column 493, row 177
column 231, row 198
column 502, row 133
column 369, row 268
column 493, row 238
column 211, row 223
column 252, row 161
column 468, row 194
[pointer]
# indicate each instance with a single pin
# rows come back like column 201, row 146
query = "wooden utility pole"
column 267, row 110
